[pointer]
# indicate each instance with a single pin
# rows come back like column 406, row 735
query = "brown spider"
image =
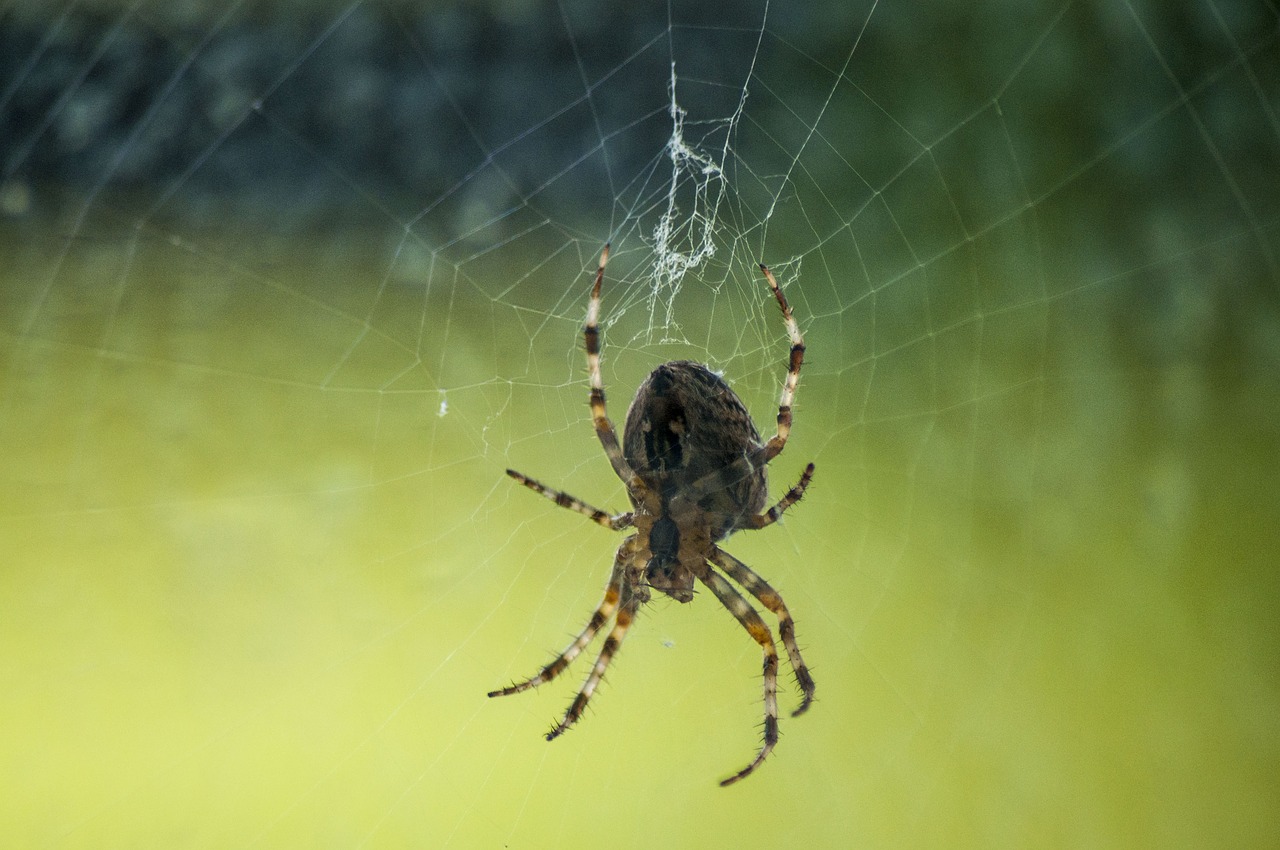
column 695, row 470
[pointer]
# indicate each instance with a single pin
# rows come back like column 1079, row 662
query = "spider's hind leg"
column 599, row 408
column 794, row 361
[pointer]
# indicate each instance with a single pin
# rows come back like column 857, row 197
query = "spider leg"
column 753, row 460
column 602, row 614
column 794, row 495
column 771, row 599
column 626, row 614
column 755, row 627
column 599, row 412
column 616, row 522
column 776, row 443
column 726, row 477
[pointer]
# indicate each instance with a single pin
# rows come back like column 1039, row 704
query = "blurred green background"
column 286, row 288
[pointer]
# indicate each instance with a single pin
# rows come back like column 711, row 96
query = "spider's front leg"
column 608, row 605
column 771, row 599
column 755, row 627
column 626, row 615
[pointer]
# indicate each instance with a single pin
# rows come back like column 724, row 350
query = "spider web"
column 286, row 287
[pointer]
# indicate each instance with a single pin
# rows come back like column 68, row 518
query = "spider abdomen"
column 686, row 424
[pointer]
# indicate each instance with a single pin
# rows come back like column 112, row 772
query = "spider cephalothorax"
column 696, row 471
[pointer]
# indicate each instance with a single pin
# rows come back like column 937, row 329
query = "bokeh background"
column 285, row 287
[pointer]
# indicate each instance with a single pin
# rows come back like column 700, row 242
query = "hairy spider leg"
column 601, row 616
column 626, row 614
column 727, row 476
column 793, row 495
column 599, row 412
column 755, row 627
column 771, row 599
column 615, row 522
column 779, row 440
column 724, row 478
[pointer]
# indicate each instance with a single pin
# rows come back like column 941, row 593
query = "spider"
column 695, row 471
